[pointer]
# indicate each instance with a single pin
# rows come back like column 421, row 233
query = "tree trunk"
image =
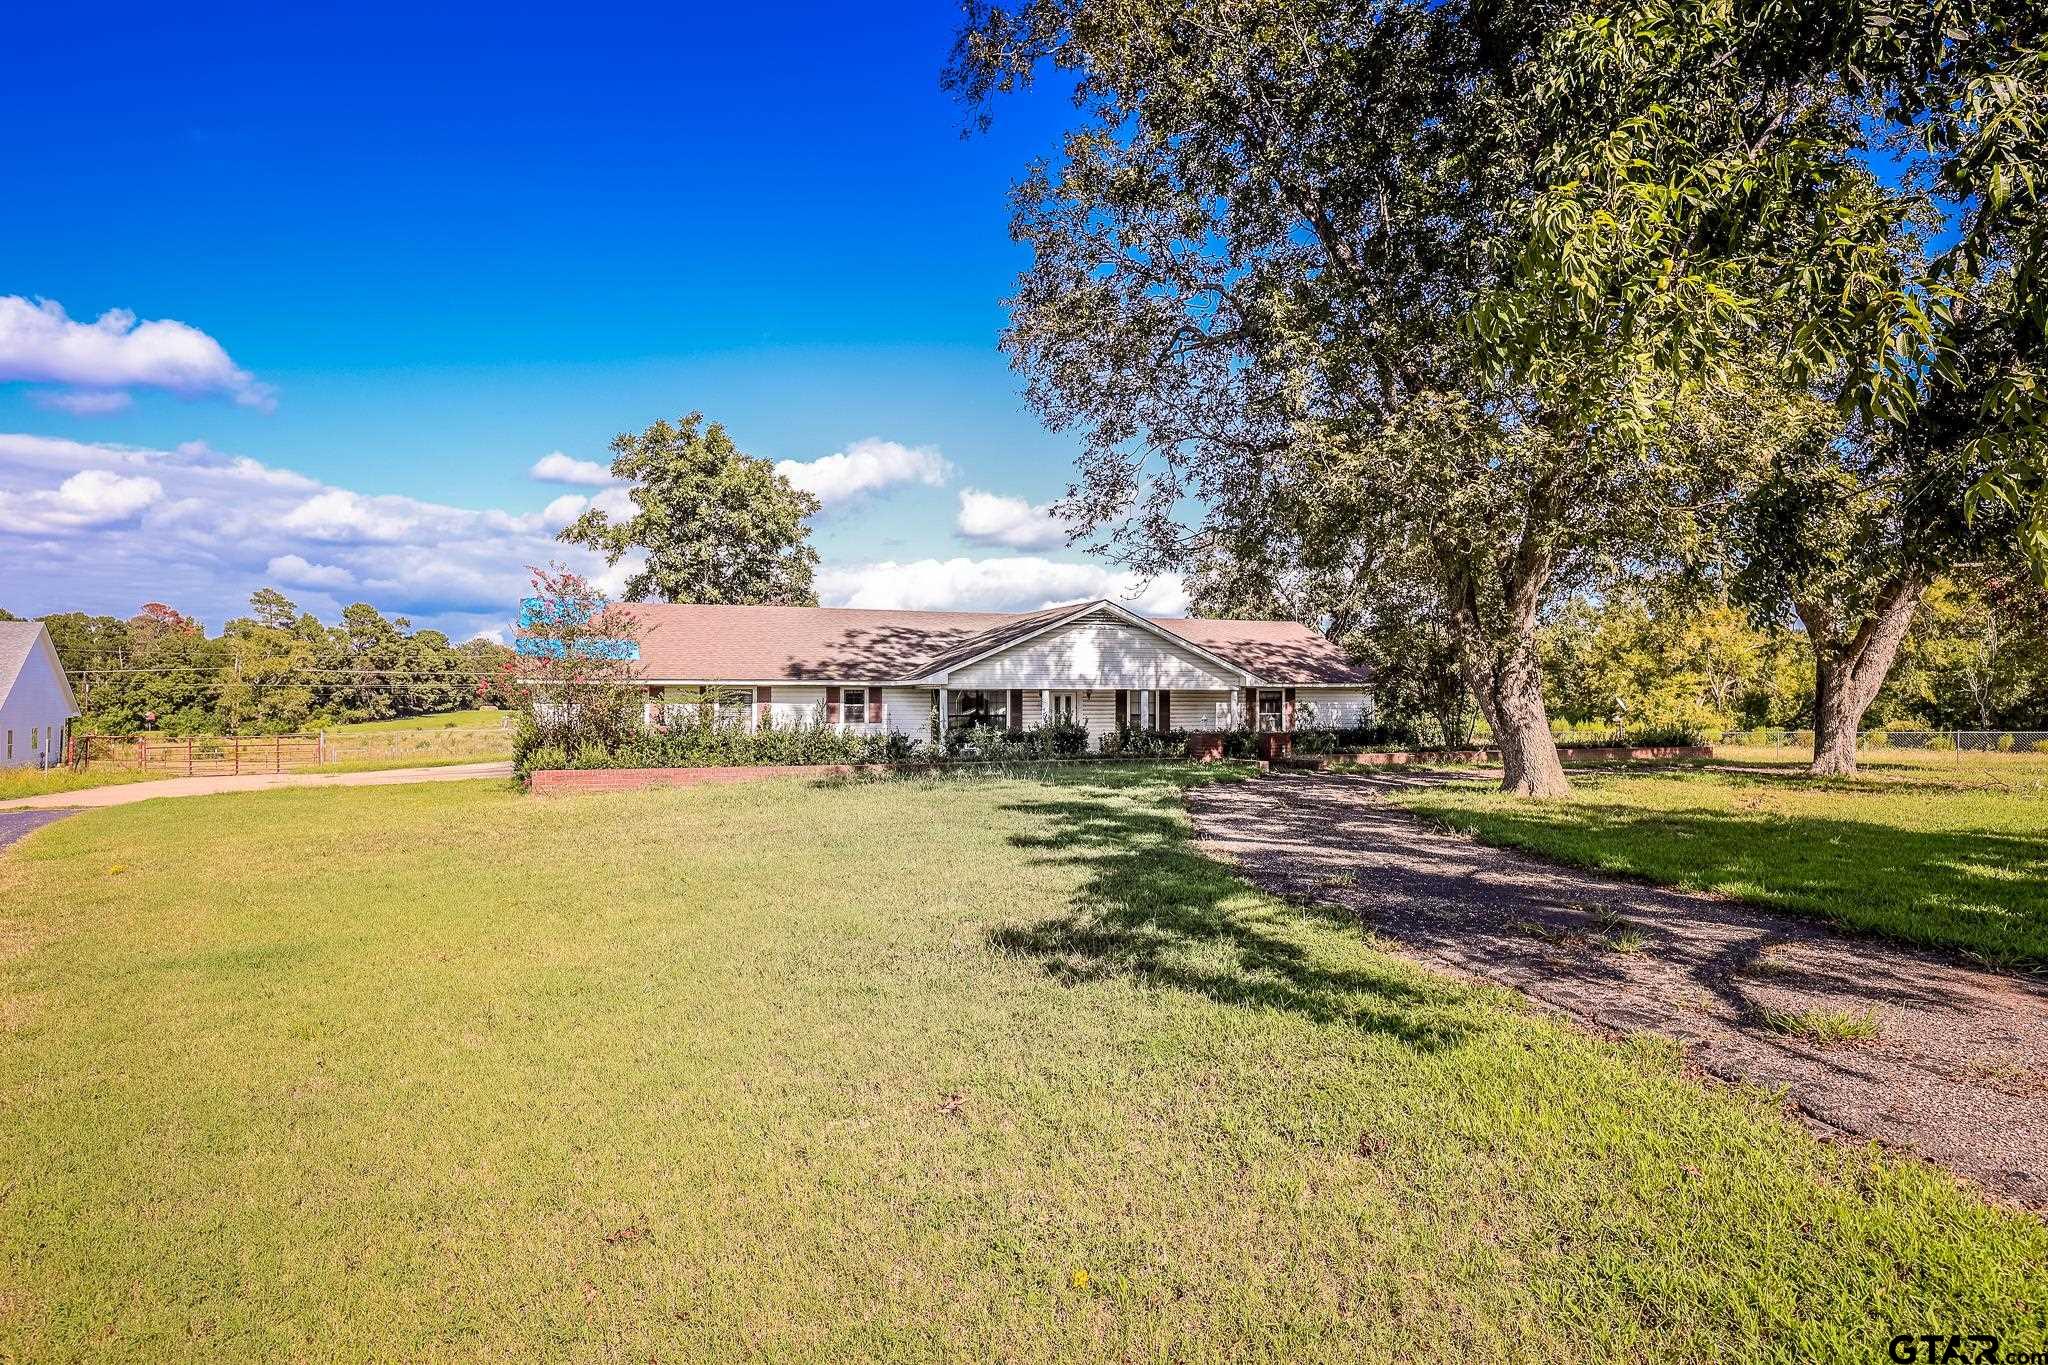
column 1528, row 751
column 1508, row 684
column 1848, row 673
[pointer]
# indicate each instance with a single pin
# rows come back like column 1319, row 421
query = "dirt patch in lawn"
column 1869, row 1040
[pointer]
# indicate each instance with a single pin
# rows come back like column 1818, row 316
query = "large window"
column 1271, row 714
column 978, row 710
column 853, row 705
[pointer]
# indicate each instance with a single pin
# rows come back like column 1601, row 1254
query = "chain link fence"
column 1938, row 741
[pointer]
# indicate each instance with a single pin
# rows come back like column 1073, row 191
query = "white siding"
column 34, row 711
column 1336, row 707
column 1097, row 651
column 1205, row 710
column 908, row 711
column 789, row 707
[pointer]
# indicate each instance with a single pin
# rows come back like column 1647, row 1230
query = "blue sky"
column 429, row 249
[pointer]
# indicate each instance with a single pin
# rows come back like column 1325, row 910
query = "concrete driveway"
column 212, row 786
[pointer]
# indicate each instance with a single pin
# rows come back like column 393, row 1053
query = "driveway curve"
column 1957, row 1073
column 129, row 792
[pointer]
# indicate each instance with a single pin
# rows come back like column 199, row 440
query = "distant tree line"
column 278, row 670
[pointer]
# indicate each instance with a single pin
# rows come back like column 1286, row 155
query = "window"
column 1063, row 711
column 1270, row 713
column 853, row 705
column 984, row 710
column 10, row 744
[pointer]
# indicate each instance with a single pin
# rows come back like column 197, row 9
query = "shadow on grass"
column 1984, row 892
column 1154, row 910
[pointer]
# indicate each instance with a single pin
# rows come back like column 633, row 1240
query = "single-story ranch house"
column 910, row 671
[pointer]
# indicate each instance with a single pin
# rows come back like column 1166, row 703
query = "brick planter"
column 1275, row 744
column 1205, row 747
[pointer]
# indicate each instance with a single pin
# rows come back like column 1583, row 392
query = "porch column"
column 943, row 713
column 1045, row 706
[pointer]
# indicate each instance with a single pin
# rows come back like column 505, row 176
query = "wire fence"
column 232, row 755
column 1937, row 741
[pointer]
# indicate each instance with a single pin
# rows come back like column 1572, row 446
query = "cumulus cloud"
column 295, row 572
column 556, row 467
column 1001, row 583
column 89, row 498
column 865, row 466
column 992, row 519
column 109, row 526
column 83, row 402
column 40, row 343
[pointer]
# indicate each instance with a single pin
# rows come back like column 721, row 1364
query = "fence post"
column 323, row 748
column 235, row 754
column 277, row 756
column 188, row 755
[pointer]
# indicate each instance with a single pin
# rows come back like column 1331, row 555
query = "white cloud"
column 992, row 519
column 556, row 467
column 108, row 527
column 496, row 635
column 83, row 402
column 1002, row 583
column 865, row 466
column 89, row 498
column 41, row 344
column 293, row 571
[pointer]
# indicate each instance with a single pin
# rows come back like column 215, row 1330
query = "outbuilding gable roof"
column 19, row 640
column 694, row 643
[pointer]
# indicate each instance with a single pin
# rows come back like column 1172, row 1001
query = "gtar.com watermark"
column 1961, row 1348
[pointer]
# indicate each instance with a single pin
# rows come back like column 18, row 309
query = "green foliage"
column 276, row 671
column 717, row 525
column 1942, row 744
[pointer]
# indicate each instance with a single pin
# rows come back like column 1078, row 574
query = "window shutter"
column 1016, row 710
column 763, row 698
column 1251, row 708
column 1165, row 710
column 1123, row 708
column 831, row 706
column 1287, row 705
column 874, row 706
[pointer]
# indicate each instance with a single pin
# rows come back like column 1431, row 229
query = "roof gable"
column 21, row 639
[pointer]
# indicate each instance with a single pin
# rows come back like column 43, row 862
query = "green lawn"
column 16, row 783
column 967, row 1068
column 478, row 718
column 1917, row 847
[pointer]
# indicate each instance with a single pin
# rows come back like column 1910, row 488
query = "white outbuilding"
column 36, row 705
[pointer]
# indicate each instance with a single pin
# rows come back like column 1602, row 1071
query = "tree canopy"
column 716, row 525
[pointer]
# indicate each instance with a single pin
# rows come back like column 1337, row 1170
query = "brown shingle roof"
column 851, row 644
column 1277, row 651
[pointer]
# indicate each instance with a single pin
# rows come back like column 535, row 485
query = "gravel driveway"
column 1958, row 1072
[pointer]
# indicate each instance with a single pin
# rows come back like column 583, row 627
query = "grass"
column 16, row 783
column 1821, row 1025
column 944, row 1068
column 478, row 718
column 1925, row 853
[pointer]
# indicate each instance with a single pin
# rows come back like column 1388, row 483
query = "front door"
column 1066, row 707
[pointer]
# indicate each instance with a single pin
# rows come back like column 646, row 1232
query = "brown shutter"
column 1164, row 710
column 874, row 706
column 762, row 697
column 1251, row 708
column 831, row 706
column 1123, row 708
column 1287, row 708
column 1016, row 710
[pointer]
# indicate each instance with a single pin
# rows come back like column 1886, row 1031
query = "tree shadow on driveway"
column 1154, row 910
column 1956, row 1070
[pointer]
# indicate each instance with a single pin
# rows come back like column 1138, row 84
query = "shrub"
column 1802, row 739
column 1942, row 743
column 1131, row 741
column 1876, row 739
column 2039, row 746
column 2005, row 744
